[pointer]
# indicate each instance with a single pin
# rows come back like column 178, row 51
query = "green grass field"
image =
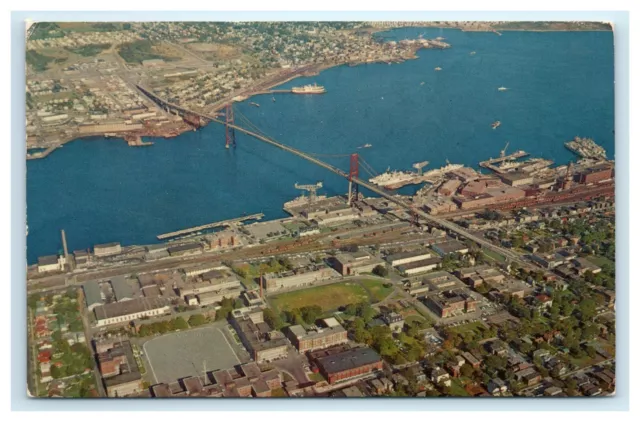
column 411, row 318
column 376, row 289
column 600, row 260
column 329, row 298
column 494, row 255
column 475, row 326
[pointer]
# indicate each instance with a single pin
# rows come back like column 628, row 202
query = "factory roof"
column 418, row 264
column 350, row 359
column 48, row 260
column 450, row 246
column 121, row 288
column 128, row 307
column 92, row 292
column 409, row 254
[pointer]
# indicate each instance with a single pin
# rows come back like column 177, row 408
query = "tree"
column 365, row 311
column 196, row 320
column 466, row 370
column 32, row 300
column 311, row 313
column 587, row 308
column 273, row 319
column 351, row 309
column 180, row 324
column 380, row 270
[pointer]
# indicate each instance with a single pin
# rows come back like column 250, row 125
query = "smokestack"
column 64, row 244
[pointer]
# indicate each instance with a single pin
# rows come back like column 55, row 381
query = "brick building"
column 347, row 364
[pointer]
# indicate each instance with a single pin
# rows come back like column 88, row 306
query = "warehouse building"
column 422, row 266
column 298, row 277
column 92, row 294
column 121, row 289
column 107, row 249
column 408, row 257
column 449, row 247
column 355, row 263
column 339, row 365
column 48, row 264
column 129, row 310
column 185, row 250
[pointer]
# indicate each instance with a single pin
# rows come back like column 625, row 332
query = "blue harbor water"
column 560, row 85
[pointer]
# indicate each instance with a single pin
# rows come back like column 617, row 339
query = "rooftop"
column 349, row 359
column 117, row 309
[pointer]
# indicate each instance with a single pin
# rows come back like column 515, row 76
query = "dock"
column 490, row 163
column 230, row 222
column 42, row 154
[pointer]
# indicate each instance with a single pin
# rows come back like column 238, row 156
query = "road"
column 89, row 338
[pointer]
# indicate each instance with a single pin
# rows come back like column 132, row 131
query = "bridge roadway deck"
column 514, row 257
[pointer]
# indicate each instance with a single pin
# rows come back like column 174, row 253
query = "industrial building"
column 107, row 249
column 421, row 266
column 82, row 258
column 451, row 302
column 595, row 174
column 298, row 277
column 450, row 246
column 355, row 263
column 185, row 250
column 331, row 334
column 261, row 342
column 129, row 310
column 408, row 257
column 216, row 280
column 92, row 294
column 49, row 263
column 339, row 364
column 121, row 289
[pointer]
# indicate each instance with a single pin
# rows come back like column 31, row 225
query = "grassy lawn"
column 600, row 260
column 376, row 289
column 475, row 326
column 494, row 255
column 411, row 318
column 330, row 297
column 316, row 377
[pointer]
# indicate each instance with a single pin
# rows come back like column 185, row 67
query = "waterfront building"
column 49, row 263
column 107, row 249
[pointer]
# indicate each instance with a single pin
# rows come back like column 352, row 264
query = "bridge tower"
column 230, row 132
column 353, row 173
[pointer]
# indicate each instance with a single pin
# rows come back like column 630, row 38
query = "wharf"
column 230, row 222
column 42, row 154
column 136, row 141
column 490, row 163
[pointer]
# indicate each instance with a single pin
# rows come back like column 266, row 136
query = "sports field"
column 182, row 354
column 330, row 297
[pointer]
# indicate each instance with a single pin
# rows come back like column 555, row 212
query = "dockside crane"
column 503, row 152
column 312, row 189
column 419, row 166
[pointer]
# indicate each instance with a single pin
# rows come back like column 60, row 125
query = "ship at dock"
column 309, row 89
column 397, row 179
column 586, row 148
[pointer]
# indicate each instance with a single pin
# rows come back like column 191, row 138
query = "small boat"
column 255, row 104
column 367, row 146
column 473, row 53
column 502, row 88
column 382, row 98
column 438, row 68
column 273, row 99
column 495, row 124
column 421, row 83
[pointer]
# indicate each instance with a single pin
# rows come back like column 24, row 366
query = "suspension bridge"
column 352, row 175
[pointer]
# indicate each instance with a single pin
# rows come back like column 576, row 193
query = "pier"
column 42, row 154
column 230, row 222
column 490, row 163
